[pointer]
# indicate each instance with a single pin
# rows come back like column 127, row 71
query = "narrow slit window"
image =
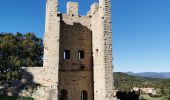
column 84, row 95
column 66, row 54
column 81, row 54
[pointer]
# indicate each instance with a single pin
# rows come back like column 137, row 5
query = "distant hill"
column 123, row 81
column 163, row 75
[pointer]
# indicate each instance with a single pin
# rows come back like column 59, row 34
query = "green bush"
column 19, row 50
column 15, row 98
column 155, row 96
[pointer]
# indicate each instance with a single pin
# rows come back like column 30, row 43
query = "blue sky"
column 141, row 29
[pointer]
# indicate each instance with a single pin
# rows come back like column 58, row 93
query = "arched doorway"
column 63, row 95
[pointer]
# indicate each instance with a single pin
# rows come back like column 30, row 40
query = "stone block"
column 72, row 8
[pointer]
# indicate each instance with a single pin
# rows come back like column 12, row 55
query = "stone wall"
column 75, row 75
column 41, row 83
column 102, row 50
column 51, row 49
column 108, row 49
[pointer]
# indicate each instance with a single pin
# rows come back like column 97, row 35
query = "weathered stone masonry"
column 77, row 54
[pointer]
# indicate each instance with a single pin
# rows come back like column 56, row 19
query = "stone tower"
column 77, row 54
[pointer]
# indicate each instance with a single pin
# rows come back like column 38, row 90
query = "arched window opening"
column 84, row 95
column 63, row 95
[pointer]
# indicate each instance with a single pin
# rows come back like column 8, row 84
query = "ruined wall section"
column 49, row 71
column 47, row 76
column 51, row 43
column 102, row 50
column 98, row 55
column 108, row 49
column 75, row 75
column 51, row 48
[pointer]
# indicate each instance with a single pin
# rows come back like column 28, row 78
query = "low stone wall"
column 40, row 91
column 28, row 85
column 43, row 93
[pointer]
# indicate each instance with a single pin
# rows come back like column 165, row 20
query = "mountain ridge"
column 163, row 75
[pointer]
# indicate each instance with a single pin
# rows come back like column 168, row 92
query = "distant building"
column 146, row 90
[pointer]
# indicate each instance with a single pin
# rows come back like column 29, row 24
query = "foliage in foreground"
column 15, row 98
column 128, row 95
column 18, row 50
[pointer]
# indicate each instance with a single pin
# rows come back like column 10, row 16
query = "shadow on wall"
column 75, row 38
column 20, row 87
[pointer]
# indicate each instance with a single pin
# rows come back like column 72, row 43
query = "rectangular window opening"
column 81, row 54
column 66, row 54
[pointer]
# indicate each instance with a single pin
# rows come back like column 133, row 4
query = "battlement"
column 72, row 8
column 93, row 9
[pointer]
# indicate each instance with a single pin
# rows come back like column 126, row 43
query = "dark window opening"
column 66, row 54
column 82, row 67
column 84, row 95
column 63, row 95
column 81, row 54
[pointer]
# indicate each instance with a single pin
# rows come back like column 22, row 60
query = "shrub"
column 15, row 98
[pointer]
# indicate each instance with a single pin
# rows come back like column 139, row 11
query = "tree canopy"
column 19, row 50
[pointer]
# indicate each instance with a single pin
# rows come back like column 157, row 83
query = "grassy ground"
column 15, row 98
column 147, row 97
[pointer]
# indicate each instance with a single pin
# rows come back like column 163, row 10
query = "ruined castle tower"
column 77, row 54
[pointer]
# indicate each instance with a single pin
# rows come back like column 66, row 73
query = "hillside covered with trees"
column 125, row 82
